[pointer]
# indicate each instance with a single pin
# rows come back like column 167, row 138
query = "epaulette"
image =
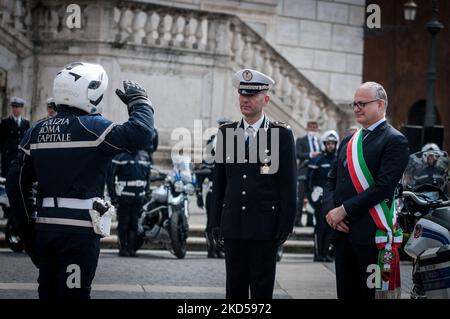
column 281, row 124
column 227, row 124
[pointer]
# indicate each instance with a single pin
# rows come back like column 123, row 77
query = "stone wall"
column 324, row 39
column 185, row 58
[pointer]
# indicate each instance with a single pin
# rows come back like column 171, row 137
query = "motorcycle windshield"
column 426, row 168
column 182, row 168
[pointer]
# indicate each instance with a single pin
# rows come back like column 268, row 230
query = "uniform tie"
column 313, row 142
column 250, row 133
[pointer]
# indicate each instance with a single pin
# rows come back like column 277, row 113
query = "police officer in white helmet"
column 68, row 155
column 318, row 169
column 430, row 147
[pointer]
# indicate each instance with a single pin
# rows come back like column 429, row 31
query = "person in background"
column 213, row 250
column 306, row 148
column 12, row 130
column 51, row 107
column 319, row 167
column 128, row 178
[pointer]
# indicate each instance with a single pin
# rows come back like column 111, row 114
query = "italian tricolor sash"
column 388, row 236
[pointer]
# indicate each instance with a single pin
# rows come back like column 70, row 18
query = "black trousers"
column 322, row 231
column 128, row 216
column 250, row 264
column 67, row 264
column 351, row 261
column 208, row 210
column 302, row 192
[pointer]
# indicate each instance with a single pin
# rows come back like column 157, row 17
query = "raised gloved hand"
column 134, row 93
column 217, row 236
column 280, row 238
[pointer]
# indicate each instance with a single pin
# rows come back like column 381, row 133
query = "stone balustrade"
column 208, row 32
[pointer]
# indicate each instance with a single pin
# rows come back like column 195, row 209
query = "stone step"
column 198, row 230
column 300, row 242
column 195, row 243
column 162, row 157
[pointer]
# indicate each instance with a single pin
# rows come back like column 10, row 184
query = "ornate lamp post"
column 433, row 27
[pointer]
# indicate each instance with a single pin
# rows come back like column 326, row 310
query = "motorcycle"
column 423, row 210
column 165, row 216
column 204, row 172
column 15, row 243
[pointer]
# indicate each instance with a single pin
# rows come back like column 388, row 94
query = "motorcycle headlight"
column 189, row 189
column 179, row 186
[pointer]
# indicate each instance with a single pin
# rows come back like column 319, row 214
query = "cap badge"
column 247, row 75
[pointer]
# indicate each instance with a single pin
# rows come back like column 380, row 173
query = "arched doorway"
column 416, row 115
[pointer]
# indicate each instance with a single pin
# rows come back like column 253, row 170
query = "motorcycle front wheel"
column 15, row 243
column 178, row 233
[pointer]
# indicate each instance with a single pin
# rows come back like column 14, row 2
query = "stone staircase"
column 301, row 241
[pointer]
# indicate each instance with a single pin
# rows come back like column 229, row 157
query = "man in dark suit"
column 385, row 151
column 306, row 148
column 254, row 196
column 12, row 129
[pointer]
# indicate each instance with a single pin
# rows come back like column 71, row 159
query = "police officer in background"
column 319, row 168
column 254, row 197
column 12, row 130
column 153, row 146
column 127, row 183
column 306, row 148
column 69, row 156
column 51, row 107
column 213, row 250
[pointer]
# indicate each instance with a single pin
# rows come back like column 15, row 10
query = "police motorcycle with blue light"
column 423, row 210
column 164, row 219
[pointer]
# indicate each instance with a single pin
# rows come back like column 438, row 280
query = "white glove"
column 316, row 193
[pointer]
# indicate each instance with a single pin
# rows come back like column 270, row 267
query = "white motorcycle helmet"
column 430, row 147
column 329, row 136
column 81, row 85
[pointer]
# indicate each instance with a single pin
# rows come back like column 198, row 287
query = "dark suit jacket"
column 249, row 205
column 10, row 137
column 302, row 151
column 386, row 153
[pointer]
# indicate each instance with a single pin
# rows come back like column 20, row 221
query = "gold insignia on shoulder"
column 281, row 124
column 227, row 124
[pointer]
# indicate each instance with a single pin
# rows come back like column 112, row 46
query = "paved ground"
column 157, row 274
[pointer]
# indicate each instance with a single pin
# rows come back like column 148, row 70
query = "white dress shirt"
column 255, row 126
